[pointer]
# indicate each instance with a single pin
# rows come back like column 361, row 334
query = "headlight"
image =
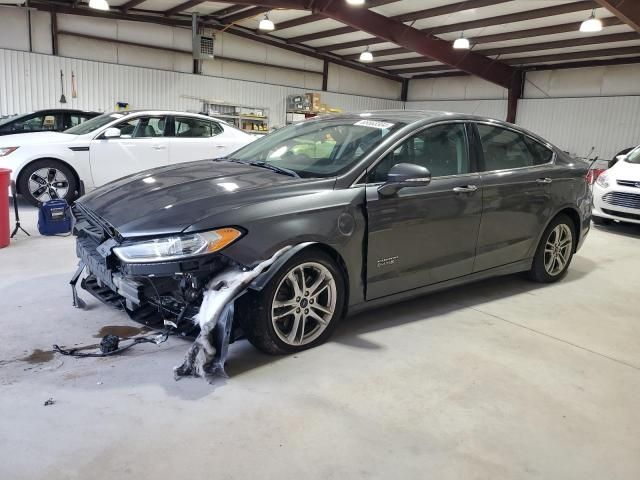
column 4, row 151
column 603, row 180
column 177, row 247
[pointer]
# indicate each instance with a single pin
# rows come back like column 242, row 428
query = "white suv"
column 616, row 192
column 47, row 165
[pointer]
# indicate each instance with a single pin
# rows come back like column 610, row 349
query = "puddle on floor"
column 39, row 356
column 122, row 331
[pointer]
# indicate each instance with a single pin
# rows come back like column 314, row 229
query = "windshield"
column 12, row 119
column 94, row 123
column 318, row 148
column 634, row 156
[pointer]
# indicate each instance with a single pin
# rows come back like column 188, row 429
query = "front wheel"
column 555, row 251
column 299, row 308
column 45, row 180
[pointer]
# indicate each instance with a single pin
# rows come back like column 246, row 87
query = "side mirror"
column 111, row 132
column 405, row 175
column 616, row 160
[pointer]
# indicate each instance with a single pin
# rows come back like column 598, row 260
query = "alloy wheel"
column 304, row 303
column 557, row 250
column 48, row 184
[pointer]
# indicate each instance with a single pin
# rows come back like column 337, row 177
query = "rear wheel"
column 299, row 308
column 555, row 251
column 45, row 180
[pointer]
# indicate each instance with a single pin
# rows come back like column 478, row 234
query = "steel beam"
column 130, row 4
column 182, row 7
column 531, row 47
column 482, row 23
column 412, row 39
column 626, row 10
column 405, row 17
column 236, row 17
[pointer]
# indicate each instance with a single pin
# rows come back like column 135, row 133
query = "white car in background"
column 616, row 191
column 47, row 165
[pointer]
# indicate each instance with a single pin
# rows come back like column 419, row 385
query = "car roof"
column 411, row 117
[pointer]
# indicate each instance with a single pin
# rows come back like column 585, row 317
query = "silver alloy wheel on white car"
column 557, row 250
column 304, row 303
column 47, row 184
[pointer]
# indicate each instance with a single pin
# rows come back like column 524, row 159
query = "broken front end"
column 148, row 279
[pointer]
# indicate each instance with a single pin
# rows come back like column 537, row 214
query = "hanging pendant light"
column 355, row 2
column 366, row 56
column 461, row 43
column 591, row 24
column 99, row 4
column 265, row 24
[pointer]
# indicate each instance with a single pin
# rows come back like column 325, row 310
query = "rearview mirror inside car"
column 112, row 133
column 405, row 175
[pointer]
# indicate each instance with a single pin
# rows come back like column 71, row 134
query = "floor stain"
column 39, row 356
column 122, row 331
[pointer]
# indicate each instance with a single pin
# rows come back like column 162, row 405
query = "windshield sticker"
column 374, row 124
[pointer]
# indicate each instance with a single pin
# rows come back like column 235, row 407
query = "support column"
column 54, row 32
column 325, row 75
column 515, row 93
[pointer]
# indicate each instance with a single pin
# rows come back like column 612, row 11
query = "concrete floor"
column 498, row 380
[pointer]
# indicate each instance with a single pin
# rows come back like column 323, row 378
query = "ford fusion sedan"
column 377, row 207
column 616, row 191
column 49, row 165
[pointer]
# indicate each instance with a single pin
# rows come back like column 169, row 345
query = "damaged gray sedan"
column 348, row 212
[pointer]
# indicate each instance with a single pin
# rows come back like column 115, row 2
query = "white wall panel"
column 488, row 108
column 454, row 88
column 31, row 82
column 347, row 80
column 14, row 33
column 576, row 124
column 584, row 82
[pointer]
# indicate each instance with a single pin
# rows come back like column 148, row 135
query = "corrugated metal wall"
column 488, row 108
column 30, row 81
column 576, row 124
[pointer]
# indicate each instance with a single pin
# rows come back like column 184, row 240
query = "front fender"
column 265, row 277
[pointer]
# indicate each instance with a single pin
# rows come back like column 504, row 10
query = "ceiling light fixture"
column 592, row 24
column 366, row 56
column 355, row 2
column 265, row 24
column 99, row 4
column 461, row 43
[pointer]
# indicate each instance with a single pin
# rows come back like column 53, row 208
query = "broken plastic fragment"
column 215, row 318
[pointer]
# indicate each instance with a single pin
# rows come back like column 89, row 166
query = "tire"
column 61, row 184
column 601, row 220
column 275, row 337
column 555, row 251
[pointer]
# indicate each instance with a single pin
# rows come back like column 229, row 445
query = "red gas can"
column 4, row 206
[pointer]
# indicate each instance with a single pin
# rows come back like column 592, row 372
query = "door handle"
column 544, row 180
column 465, row 189
column 159, row 147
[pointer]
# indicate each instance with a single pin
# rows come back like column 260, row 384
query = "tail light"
column 593, row 174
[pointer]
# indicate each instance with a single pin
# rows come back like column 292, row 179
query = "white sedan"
column 616, row 192
column 47, row 165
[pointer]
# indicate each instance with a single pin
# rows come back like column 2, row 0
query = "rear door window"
column 506, row 149
column 187, row 127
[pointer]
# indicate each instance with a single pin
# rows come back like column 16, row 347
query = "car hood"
column 170, row 199
column 626, row 171
column 35, row 138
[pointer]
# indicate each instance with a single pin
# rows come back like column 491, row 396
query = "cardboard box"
column 314, row 101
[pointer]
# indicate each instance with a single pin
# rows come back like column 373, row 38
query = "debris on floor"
column 49, row 401
column 215, row 318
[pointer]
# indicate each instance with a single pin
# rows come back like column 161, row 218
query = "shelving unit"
column 247, row 118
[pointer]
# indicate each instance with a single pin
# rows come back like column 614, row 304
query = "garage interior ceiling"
column 412, row 38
